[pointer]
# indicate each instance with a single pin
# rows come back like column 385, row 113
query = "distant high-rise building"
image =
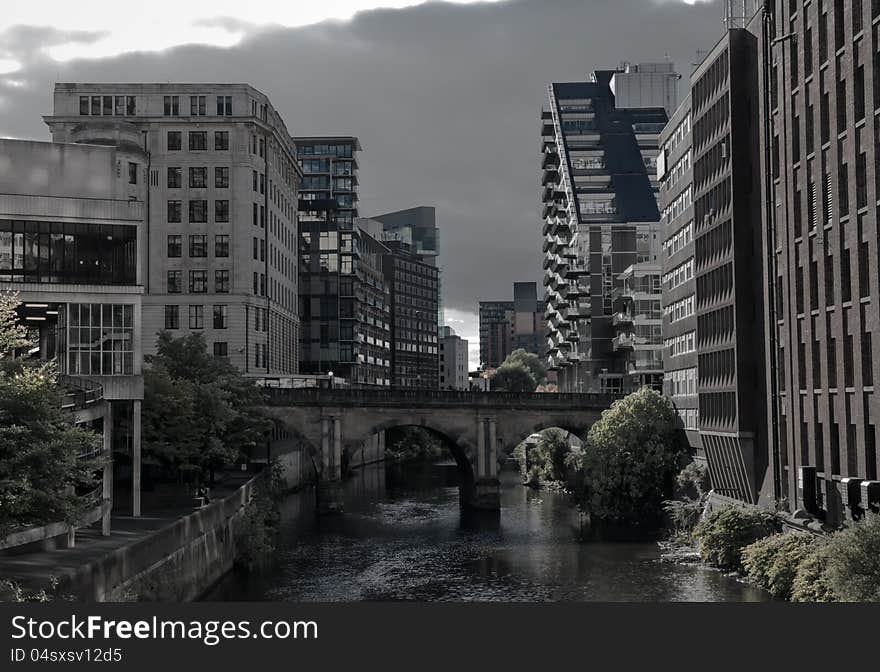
column 506, row 326
column 219, row 174
column 345, row 302
column 600, row 146
column 453, row 360
column 496, row 332
column 415, row 293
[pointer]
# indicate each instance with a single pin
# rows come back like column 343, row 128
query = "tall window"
column 198, row 178
column 172, row 317
column 132, row 173
column 174, row 246
column 221, row 281
column 172, row 106
column 174, row 212
column 221, row 245
column 221, row 349
column 221, row 141
column 197, row 106
column 198, row 282
column 101, row 339
column 198, row 141
column 221, row 317
column 221, row 211
column 198, row 211
column 174, row 282
column 174, row 143
column 224, row 106
column 198, row 246
column 221, row 177
column 175, row 177
column 196, row 317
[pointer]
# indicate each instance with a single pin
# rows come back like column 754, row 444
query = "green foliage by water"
column 546, row 460
column 772, row 562
column 853, row 566
column 413, row 444
column 512, row 377
column 40, row 473
column 811, row 582
column 727, row 530
column 630, row 458
column 200, row 413
column 530, row 361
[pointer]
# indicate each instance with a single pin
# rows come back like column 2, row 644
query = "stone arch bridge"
column 477, row 427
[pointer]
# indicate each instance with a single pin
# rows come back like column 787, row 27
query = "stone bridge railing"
column 435, row 398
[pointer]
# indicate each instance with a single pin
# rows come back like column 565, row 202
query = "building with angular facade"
column 600, row 213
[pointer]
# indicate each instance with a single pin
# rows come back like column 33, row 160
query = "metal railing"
column 79, row 393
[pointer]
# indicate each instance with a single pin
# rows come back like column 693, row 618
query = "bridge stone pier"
column 334, row 424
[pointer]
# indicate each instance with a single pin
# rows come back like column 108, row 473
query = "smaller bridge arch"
column 480, row 425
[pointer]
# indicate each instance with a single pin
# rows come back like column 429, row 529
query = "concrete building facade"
column 219, row 175
column 73, row 250
column 453, row 360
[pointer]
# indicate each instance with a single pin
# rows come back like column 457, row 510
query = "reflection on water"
column 403, row 537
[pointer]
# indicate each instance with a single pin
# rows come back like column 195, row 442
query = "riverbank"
column 175, row 556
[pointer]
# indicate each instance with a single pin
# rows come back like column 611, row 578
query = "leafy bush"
column 854, row 561
column 727, row 530
column 630, row 459
column 772, row 562
column 513, row 377
column 684, row 515
column 413, row 444
column 693, row 480
column 811, row 582
column 545, row 460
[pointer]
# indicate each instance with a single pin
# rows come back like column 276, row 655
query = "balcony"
column 551, row 176
column 577, row 313
column 623, row 343
column 576, row 270
column 551, row 159
column 622, row 319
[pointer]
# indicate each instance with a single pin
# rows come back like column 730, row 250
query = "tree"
column 513, row 378
column 199, row 412
column 531, row 361
column 630, row 459
column 40, row 471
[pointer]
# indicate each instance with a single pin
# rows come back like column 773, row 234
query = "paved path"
column 37, row 569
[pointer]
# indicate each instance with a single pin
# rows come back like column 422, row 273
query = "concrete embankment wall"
column 176, row 563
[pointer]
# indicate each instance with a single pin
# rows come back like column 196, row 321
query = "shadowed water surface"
column 404, row 538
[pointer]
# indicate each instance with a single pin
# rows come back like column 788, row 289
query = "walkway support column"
column 329, row 490
column 136, row 459
column 107, row 487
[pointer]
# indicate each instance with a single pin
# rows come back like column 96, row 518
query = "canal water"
column 404, row 537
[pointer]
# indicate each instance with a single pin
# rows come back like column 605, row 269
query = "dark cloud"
column 445, row 99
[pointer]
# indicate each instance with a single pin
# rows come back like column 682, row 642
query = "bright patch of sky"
column 467, row 325
column 160, row 24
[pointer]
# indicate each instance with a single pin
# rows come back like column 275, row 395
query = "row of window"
column 690, row 417
column 682, row 382
column 198, row 211
column 677, row 171
column 198, row 106
column 678, row 135
column 679, row 275
column 198, row 245
column 681, row 345
column 680, row 309
column 198, row 177
column 681, row 203
column 198, row 281
column 197, row 141
column 679, row 240
column 197, row 317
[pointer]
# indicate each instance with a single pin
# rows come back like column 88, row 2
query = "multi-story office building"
column 496, row 333
column 415, row 295
column 72, row 247
column 344, row 298
column 220, row 177
column 675, row 170
column 417, row 228
column 453, row 360
column 824, row 122
column 600, row 211
column 712, row 266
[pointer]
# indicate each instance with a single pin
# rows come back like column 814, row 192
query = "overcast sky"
column 445, row 97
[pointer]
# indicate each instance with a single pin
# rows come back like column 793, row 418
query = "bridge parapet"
column 436, row 398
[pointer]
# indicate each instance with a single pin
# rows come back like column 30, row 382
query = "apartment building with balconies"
column 600, row 212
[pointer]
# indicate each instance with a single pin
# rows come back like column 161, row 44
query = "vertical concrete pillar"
column 380, row 453
column 107, row 489
column 136, row 459
column 325, row 445
column 492, row 453
column 337, row 447
column 486, row 493
column 329, row 490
